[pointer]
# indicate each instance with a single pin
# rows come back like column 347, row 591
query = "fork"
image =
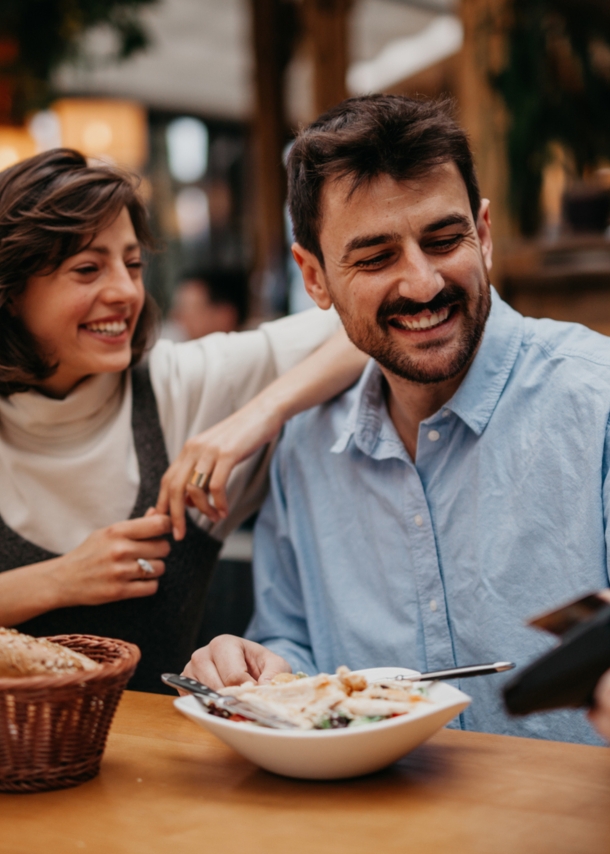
column 211, row 700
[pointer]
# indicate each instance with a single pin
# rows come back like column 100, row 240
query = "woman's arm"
column 103, row 569
column 335, row 366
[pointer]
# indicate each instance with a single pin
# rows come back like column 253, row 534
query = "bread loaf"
column 22, row 655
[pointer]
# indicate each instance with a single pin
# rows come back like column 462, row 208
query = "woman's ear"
column 314, row 277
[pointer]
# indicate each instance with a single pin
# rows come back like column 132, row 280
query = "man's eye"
column 377, row 261
column 445, row 244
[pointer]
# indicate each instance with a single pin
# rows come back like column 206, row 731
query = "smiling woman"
column 85, row 436
column 83, row 315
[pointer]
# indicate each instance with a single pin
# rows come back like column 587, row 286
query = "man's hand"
column 600, row 715
column 229, row 660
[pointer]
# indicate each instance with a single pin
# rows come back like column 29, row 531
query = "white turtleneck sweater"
column 69, row 467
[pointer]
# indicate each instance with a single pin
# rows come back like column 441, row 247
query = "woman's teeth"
column 426, row 321
column 116, row 327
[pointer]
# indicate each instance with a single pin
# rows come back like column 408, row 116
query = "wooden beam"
column 482, row 112
column 271, row 37
column 326, row 25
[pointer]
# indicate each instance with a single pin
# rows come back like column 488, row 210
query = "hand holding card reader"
column 565, row 676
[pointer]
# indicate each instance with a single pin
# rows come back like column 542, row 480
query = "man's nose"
column 420, row 280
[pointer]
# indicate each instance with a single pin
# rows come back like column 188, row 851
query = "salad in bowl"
column 343, row 725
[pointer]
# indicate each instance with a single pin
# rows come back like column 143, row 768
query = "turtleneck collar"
column 28, row 417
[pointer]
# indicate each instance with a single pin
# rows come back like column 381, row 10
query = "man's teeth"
column 423, row 322
column 116, row 327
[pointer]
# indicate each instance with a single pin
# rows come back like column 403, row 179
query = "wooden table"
column 167, row 786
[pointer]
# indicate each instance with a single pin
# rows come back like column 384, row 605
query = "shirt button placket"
column 437, row 637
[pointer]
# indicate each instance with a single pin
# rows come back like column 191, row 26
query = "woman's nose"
column 120, row 286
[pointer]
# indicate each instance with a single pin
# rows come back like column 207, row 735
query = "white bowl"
column 332, row 754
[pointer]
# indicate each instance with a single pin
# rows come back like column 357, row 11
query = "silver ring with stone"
column 145, row 566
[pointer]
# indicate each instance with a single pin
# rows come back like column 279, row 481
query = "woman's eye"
column 135, row 265
column 86, row 270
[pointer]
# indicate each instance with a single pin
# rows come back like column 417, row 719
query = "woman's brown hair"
column 51, row 206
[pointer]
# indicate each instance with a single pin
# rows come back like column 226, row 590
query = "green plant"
column 37, row 36
column 556, row 87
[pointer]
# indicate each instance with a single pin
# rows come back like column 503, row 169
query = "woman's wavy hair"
column 51, row 207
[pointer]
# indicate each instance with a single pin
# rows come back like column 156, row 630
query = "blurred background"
column 201, row 99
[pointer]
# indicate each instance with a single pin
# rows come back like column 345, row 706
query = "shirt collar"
column 368, row 420
column 478, row 394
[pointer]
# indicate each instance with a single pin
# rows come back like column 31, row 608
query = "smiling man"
column 461, row 485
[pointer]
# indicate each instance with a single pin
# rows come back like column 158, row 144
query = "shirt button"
column 418, row 521
column 433, row 605
column 434, row 435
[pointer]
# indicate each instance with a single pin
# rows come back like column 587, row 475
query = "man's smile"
column 423, row 320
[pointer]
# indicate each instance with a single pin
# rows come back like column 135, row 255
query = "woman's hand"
column 215, row 453
column 323, row 374
column 104, row 568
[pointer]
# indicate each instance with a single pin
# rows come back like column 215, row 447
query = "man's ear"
column 314, row 277
column 484, row 232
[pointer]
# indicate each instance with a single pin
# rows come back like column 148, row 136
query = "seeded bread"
column 22, row 655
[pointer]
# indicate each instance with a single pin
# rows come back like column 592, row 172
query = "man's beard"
column 378, row 343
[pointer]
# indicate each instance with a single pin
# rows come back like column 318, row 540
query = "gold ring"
column 200, row 479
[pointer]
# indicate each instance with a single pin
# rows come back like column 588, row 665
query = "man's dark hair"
column 51, row 207
column 224, row 286
column 363, row 138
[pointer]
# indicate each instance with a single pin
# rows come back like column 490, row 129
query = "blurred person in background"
column 86, row 436
column 207, row 301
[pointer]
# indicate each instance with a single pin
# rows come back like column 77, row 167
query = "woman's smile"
column 110, row 330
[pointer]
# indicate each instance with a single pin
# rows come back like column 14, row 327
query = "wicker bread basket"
column 53, row 728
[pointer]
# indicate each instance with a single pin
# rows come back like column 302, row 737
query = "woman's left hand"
column 215, row 453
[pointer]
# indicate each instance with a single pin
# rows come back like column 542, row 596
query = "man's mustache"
column 450, row 295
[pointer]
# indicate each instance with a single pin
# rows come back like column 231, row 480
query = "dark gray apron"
column 164, row 626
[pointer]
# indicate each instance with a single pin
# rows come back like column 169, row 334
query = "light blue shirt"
column 366, row 558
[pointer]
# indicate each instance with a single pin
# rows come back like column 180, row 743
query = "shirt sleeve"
column 279, row 620
column 198, row 383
